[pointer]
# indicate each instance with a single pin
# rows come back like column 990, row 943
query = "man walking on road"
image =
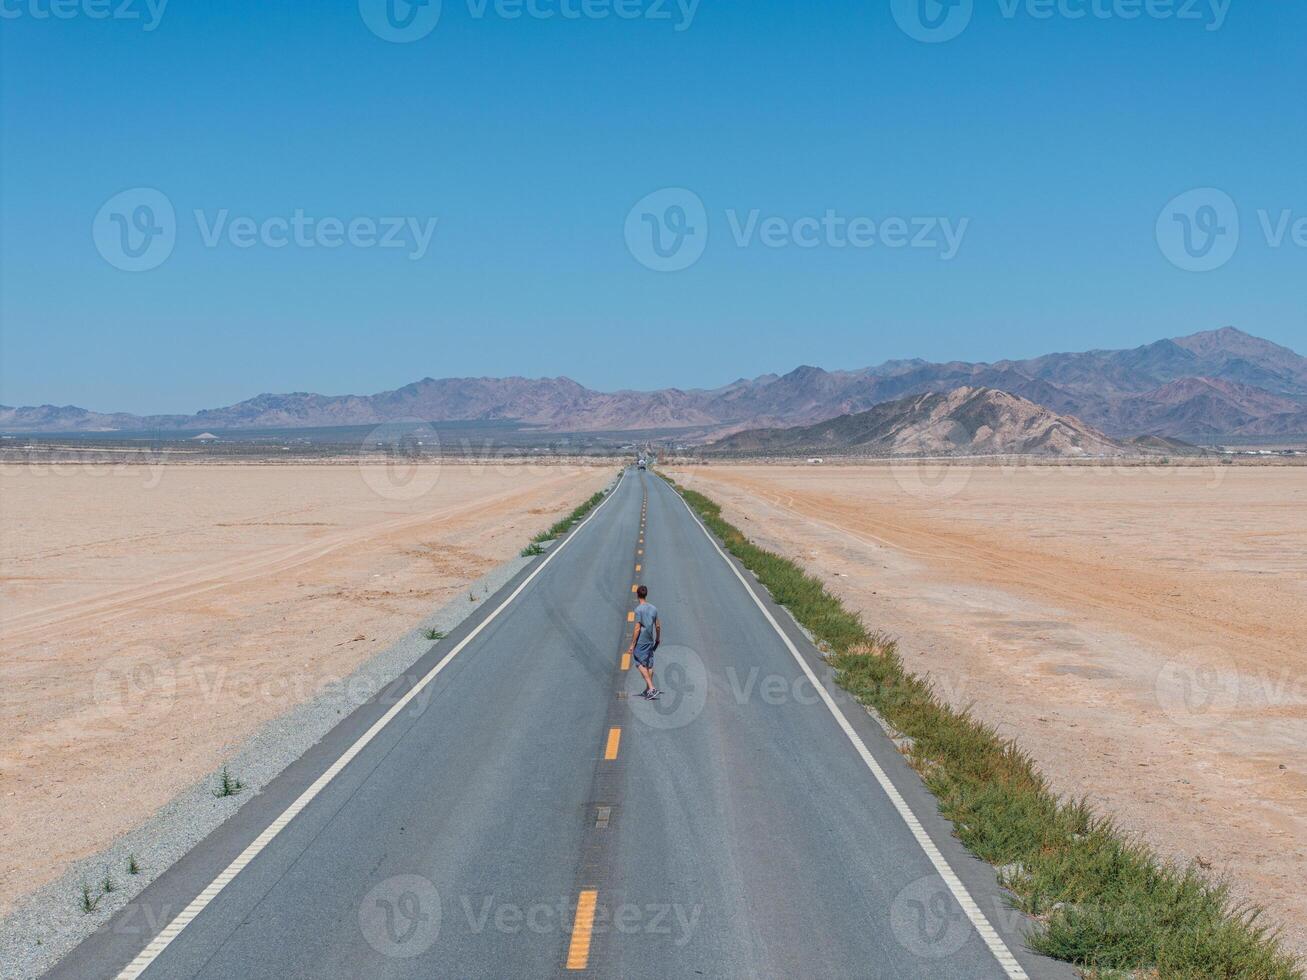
column 648, row 634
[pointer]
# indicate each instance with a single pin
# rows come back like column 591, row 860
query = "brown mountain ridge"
column 1206, row 385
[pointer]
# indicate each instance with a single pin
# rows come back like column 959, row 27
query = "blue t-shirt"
column 646, row 615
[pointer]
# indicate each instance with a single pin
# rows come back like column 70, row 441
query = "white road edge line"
column 174, row 928
column 987, row 932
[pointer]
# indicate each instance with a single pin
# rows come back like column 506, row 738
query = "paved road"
column 522, row 814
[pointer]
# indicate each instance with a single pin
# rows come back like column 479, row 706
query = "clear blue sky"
column 1058, row 140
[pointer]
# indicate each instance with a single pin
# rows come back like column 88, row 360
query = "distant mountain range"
column 1211, row 384
column 962, row 421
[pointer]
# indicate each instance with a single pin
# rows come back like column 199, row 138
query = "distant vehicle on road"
column 642, row 463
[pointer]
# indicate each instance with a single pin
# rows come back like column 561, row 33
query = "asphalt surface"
column 525, row 814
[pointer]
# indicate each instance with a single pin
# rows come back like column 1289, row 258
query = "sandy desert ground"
column 211, row 598
column 1142, row 632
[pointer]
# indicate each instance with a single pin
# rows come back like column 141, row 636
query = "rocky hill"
column 964, row 421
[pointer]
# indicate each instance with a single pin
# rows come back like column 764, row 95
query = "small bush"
column 228, row 785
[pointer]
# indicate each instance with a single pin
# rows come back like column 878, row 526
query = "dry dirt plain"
column 259, row 583
column 1141, row 632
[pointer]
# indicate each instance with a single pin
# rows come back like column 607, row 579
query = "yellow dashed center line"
column 578, row 952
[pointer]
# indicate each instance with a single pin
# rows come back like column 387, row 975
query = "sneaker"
column 654, row 695
column 645, row 695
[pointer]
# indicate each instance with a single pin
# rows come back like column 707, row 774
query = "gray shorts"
column 644, row 657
